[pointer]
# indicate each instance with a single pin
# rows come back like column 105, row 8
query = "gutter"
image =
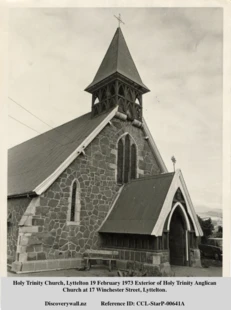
column 26, row 195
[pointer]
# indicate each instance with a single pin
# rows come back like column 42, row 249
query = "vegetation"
column 207, row 227
column 219, row 233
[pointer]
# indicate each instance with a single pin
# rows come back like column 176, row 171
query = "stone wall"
column 15, row 210
column 151, row 263
column 195, row 258
column 51, row 235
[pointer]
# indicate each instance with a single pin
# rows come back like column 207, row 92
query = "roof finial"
column 173, row 159
column 119, row 20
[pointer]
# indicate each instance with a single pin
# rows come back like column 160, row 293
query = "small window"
column 75, row 206
column 133, row 161
column 73, row 202
column 120, row 162
column 127, row 159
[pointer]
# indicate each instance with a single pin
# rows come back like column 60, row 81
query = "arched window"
column 120, row 162
column 126, row 160
column 133, row 161
column 75, row 206
column 73, row 201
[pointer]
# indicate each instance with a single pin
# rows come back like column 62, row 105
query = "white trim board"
column 42, row 187
column 178, row 204
column 177, row 182
column 80, row 149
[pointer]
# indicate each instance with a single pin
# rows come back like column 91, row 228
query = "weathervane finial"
column 119, row 20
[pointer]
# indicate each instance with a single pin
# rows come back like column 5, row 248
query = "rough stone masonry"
column 45, row 232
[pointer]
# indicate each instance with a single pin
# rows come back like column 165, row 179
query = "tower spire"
column 117, row 81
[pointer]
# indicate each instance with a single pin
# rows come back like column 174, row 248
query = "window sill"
column 72, row 223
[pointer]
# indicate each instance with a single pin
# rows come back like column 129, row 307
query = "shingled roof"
column 118, row 60
column 32, row 161
column 138, row 206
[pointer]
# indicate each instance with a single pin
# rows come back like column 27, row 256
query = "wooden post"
column 157, row 243
column 116, row 91
column 187, row 247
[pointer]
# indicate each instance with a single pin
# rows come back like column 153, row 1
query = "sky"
column 54, row 54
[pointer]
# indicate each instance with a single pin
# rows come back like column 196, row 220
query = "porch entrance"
column 177, row 239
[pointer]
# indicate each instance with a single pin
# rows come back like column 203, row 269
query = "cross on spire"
column 119, row 20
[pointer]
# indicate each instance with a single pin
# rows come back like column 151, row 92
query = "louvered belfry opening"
column 126, row 160
column 118, row 93
column 117, row 82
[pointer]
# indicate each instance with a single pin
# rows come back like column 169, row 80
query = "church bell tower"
column 117, row 82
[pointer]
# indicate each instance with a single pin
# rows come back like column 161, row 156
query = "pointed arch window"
column 75, row 206
column 126, row 160
column 73, row 202
column 133, row 161
column 120, row 161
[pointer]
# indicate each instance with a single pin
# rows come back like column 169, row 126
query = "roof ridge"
column 130, row 55
column 117, row 56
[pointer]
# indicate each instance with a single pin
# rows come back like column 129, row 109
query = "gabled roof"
column 118, row 59
column 144, row 205
column 35, row 164
column 35, row 160
column 138, row 206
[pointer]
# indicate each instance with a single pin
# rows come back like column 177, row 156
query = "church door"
column 177, row 239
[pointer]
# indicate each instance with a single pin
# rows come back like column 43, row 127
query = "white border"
column 225, row 4
column 177, row 182
column 178, row 204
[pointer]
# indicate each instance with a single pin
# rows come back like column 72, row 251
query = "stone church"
column 99, row 182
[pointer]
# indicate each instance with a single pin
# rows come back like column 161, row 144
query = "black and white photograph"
column 115, row 142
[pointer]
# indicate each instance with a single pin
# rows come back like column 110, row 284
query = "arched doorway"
column 178, row 245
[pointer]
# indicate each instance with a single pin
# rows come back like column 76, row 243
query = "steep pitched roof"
column 35, row 164
column 118, row 59
column 138, row 205
column 33, row 161
column 144, row 205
